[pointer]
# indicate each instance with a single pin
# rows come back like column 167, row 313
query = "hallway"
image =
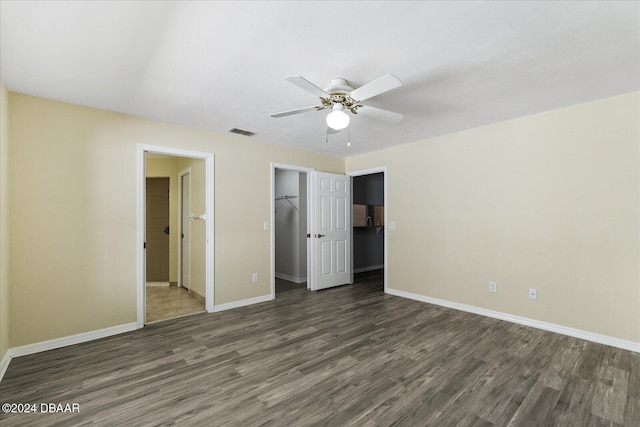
column 168, row 302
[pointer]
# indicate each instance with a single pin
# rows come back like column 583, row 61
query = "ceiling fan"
column 339, row 97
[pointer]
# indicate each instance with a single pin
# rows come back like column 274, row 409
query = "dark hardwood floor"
column 344, row 356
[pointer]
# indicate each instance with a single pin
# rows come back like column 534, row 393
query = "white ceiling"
column 221, row 65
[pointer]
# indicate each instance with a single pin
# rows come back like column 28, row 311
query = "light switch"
column 392, row 225
column 266, row 225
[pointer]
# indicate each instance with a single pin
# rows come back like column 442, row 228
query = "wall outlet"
column 254, row 277
column 533, row 293
column 493, row 287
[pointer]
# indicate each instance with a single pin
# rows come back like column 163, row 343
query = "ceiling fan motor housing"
column 339, row 90
column 338, row 86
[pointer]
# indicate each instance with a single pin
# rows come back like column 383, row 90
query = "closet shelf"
column 287, row 198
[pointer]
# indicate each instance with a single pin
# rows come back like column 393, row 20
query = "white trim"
column 157, row 284
column 209, row 227
column 371, row 171
column 4, row 364
column 141, row 149
column 242, row 303
column 308, row 171
column 187, row 171
column 290, row 278
column 551, row 327
column 310, row 225
column 71, row 340
column 370, row 268
column 63, row 342
column 140, row 234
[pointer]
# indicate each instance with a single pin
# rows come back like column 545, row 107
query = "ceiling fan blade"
column 376, row 87
column 292, row 112
column 305, row 84
column 380, row 114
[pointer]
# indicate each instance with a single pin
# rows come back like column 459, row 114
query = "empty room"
column 291, row 213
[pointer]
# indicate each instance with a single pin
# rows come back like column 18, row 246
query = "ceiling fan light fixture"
column 338, row 119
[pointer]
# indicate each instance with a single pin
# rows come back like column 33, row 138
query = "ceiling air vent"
column 242, row 132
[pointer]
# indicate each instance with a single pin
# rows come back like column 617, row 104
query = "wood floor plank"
column 347, row 356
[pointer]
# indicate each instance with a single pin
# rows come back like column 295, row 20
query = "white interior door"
column 185, row 183
column 332, row 230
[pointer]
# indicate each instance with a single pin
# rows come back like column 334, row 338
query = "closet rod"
column 287, row 199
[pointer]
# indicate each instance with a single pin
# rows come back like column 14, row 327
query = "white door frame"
column 181, row 174
column 308, row 171
column 141, row 149
column 371, row 171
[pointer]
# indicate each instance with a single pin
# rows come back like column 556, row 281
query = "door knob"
column 319, row 235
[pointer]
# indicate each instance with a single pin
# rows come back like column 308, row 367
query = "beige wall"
column 73, row 214
column 4, row 221
column 549, row 201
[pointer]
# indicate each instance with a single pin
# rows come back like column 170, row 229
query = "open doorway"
column 157, row 231
column 175, row 243
column 369, row 240
column 290, row 222
column 190, row 176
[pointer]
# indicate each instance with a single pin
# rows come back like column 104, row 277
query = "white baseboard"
column 241, row 303
column 4, row 364
column 551, row 327
column 166, row 284
column 291, row 278
column 370, row 268
column 62, row 342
